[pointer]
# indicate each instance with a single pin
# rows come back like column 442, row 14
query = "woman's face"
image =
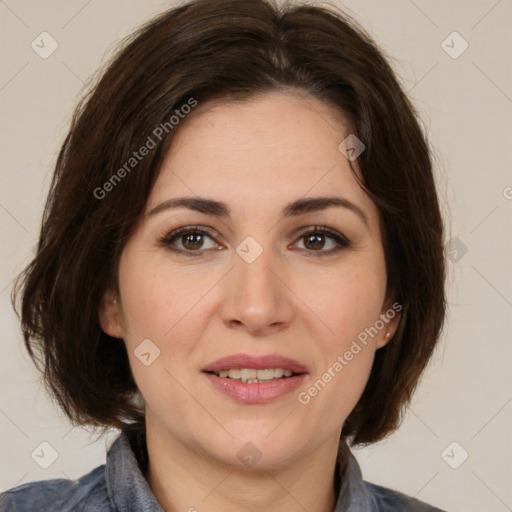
column 258, row 280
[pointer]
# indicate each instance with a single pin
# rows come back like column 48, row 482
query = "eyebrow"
column 222, row 210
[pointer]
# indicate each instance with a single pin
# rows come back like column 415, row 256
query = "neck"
column 184, row 479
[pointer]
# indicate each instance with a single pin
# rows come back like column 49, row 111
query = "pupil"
column 192, row 244
column 318, row 240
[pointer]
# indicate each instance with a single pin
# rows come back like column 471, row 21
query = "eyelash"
column 169, row 238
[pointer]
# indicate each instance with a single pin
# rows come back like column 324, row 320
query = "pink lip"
column 255, row 393
column 256, row 362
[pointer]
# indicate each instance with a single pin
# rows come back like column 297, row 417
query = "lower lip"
column 255, row 393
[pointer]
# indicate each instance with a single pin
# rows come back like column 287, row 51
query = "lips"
column 255, row 362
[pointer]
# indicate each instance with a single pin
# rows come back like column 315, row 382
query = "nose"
column 257, row 297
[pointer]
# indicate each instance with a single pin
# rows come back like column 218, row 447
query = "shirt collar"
column 128, row 489
column 354, row 495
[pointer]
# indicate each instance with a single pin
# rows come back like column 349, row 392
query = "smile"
column 254, row 376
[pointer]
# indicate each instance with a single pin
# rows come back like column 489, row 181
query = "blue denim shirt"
column 119, row 485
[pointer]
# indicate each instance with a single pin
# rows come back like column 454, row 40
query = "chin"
column 259, row 451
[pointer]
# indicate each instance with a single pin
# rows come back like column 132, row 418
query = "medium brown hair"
column 225, row 49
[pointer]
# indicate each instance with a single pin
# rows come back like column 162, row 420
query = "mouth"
column 255, row 379
column 253, row 375
column 249, row 367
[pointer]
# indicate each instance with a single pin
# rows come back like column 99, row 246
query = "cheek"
column 345, row 302
column 349, row 303
column 155, row 296
column 157, row 304
column 163, row 305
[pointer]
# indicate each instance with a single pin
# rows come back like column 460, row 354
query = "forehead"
column 269, row 150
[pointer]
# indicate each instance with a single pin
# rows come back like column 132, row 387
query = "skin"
column 256, row 156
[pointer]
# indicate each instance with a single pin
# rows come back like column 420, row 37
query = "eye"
column 315, row 241
column 191, row 239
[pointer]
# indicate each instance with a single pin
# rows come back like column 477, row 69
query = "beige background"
column 465, row 102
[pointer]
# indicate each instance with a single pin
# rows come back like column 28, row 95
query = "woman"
column 240, row 266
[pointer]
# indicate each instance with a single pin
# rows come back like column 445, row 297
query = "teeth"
column 252, row 376
column 248, row 374
column 234, row 374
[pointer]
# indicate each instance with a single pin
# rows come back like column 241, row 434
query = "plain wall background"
column 465, row 103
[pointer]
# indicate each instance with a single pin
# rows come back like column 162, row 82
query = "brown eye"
column 192, row 241
column 315, row 241
column 188, row 240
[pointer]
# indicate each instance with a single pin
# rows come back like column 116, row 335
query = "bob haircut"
column 225, row 50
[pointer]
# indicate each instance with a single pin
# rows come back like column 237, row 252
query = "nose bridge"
column 257, row 298
column 254, row 263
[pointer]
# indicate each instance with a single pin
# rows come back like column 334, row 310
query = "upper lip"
column 257, row 362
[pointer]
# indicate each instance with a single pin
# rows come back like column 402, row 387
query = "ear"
column 390, row 316
column 110, row 315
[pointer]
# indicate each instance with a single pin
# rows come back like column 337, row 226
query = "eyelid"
column 341, row 240
column 166, row 238
column 332, row 233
